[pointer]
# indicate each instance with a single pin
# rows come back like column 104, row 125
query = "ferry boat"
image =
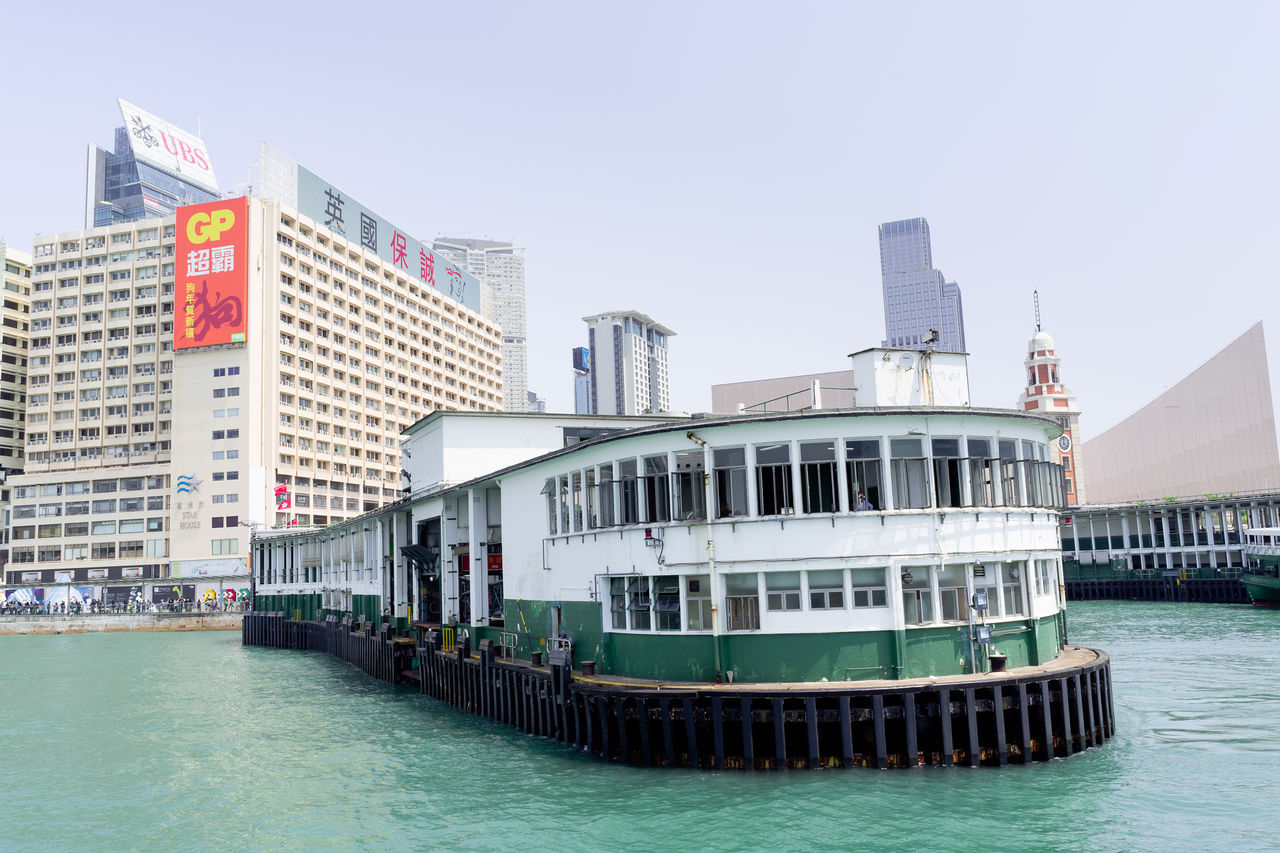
column 886, row 577
column 1262, row 550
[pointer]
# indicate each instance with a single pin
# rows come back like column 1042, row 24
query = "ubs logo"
column 143, row 131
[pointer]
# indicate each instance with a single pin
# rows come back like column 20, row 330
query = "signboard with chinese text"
column 212, row 273
column 342, row 214
column 170, row 149
column 209, row 568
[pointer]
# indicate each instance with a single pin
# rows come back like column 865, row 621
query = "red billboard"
column 213, row 274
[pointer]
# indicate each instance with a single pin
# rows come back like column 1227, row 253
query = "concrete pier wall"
column 102, row 622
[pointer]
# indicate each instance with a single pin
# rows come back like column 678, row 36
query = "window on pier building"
column 698, row 602
column 590, row 496
column 730, row 481
column 576, row 486
column 629, row 491
column 869, row 588
column 742, row 602
column 917, row 596
column 1011, row 588
column 773, row 479
column 948, row 480
column 863, row 455
column 657, row 492
column 666, row 603
column 983, row 472
column 1013, row 489
column 910, row 473
column 783, row 590
column 826, row 589
column 690, row 495
column 608, row 516
column 953, row 593
column 818, row 476
column 549, row 490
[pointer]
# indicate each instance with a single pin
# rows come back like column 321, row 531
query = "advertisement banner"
column 213, row 274
column 209, row 568
column 169, row 149
column 342, row 214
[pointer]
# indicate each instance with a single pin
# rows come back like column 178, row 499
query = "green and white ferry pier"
column 871, row 586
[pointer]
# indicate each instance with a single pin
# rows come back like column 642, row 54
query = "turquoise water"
column 191, row 742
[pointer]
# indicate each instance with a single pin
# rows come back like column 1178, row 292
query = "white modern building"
column 168, row 411
column 499, row 265
column 629, row 365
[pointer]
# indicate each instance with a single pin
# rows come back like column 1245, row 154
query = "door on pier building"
column 428, row 607
column 494, row 561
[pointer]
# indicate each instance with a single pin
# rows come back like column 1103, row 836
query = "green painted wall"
column 853, row 656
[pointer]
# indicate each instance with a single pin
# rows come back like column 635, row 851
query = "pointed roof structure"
column 1213, row 432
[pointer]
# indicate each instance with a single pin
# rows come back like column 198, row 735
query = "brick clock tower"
column 1046, row 395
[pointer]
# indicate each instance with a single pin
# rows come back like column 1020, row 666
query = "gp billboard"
column 213, row 274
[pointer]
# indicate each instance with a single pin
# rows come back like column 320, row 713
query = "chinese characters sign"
column 343, row 215
column 212, row 273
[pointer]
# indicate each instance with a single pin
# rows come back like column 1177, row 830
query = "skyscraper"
column 629, row 374
column 917, row 297
column 155, row 169
column 500, row 267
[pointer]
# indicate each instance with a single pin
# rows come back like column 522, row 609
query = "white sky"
column 722, row 167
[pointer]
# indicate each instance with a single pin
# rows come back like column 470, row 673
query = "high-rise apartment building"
column 240, row 364
column 15, row 319
column 917, row 298
column 629, row 373
column 500, row 267
column 155, row 169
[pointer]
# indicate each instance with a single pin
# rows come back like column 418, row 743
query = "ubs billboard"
column 170, row 149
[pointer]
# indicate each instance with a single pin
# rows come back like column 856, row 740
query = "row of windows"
column 787, row 478
column 97, row 507
column 84, row 487
column 930, row 594
column 85, row 528
column 124, row 549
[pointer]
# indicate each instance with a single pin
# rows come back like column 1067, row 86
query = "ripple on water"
column 190, row 741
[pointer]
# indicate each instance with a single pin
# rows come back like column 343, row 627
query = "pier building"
column 1191, row 548
column 858, row 555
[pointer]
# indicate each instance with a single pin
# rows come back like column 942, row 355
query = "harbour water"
column 193, row 742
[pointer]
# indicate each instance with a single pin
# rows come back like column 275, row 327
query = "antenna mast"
column 1035, row 294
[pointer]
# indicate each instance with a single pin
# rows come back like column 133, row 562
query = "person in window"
column 863, row 503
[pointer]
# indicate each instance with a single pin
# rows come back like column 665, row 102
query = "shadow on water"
column 167, row 741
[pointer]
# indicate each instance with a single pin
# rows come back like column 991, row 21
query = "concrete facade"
column 1212, row 432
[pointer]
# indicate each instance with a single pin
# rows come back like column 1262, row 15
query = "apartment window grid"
column 364, row 352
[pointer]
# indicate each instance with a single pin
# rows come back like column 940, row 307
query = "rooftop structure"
column 155, row 169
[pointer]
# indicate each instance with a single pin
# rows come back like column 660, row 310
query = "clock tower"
column 1046, row 395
